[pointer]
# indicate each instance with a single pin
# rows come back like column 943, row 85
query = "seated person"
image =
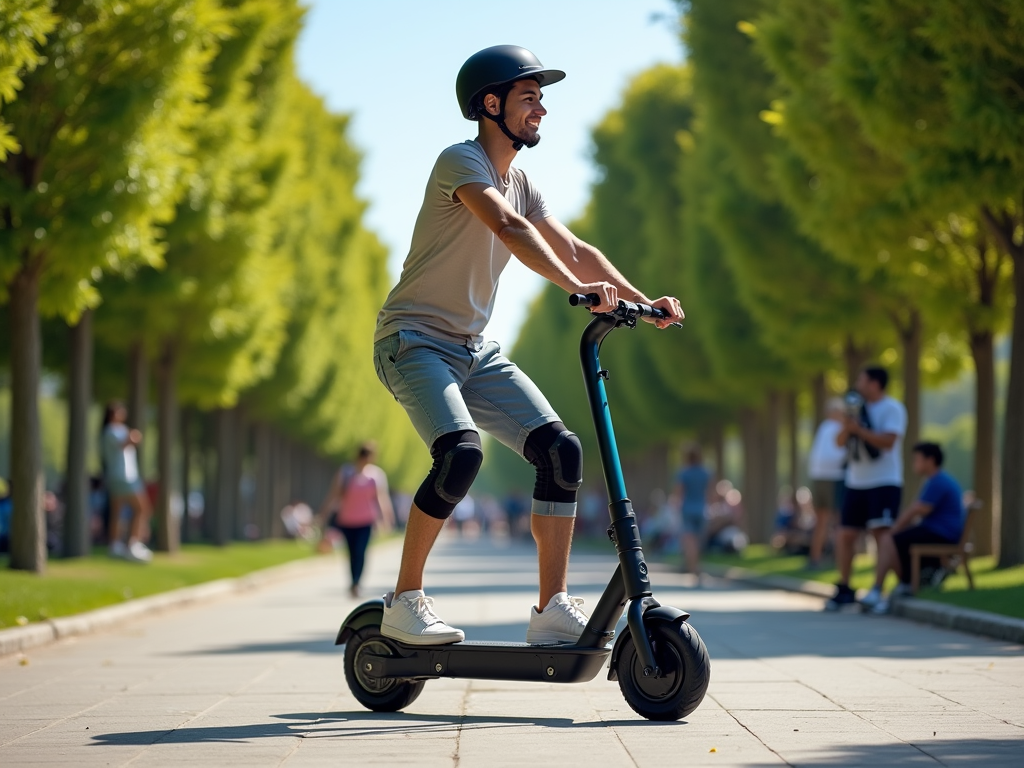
column 937, row 517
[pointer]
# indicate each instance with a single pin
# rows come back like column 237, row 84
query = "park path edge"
column 943, row 615
column 20, row 639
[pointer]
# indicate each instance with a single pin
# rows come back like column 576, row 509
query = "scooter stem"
column 632, row 569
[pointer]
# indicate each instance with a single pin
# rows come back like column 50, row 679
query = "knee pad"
column 557, row 455
column 457, row 458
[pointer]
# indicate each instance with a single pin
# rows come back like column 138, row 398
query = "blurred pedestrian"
column 6, row 505
column 357, row 500
column 873, row 436
column 693, row 483
column 937, row 517
column 826, row 469
column 124, row 484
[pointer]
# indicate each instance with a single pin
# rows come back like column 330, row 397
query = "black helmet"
column 494, row 70
column 497, row 66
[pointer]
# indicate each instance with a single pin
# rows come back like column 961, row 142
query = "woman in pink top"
column 357, row 500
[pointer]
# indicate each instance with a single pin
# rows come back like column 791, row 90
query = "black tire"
column 387, row 695
column 685, row 667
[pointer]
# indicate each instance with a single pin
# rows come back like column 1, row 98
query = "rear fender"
column 662, row 614
column 369, row 614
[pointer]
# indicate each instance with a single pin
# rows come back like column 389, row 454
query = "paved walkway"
column 255, row 680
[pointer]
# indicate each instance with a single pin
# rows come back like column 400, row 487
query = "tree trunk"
column 168, row 533
column 819, row 391
column 28, row 520
column 138, row 390
column 243, row 511
column 1011, row 528
column 208, row 524
column 1003, row 229
column 227, row 479
column 769, row 439
column 282, row 495
column 185, row 439
column 716, row 440
column 910, row 337
column 856, row 357
column 986, row 527
column 793, row 437
column 264, row 468
column 646, row 474
column 77, row 539
column 753, row 480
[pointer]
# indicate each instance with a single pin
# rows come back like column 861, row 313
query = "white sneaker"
column 118, row 549
column 138, row 552
column 410, row 617
column 880, row 608
column 561, row 621
column 871, row 599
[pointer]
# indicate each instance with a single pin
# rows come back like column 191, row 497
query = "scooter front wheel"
column 685, row 673
column 380, row 695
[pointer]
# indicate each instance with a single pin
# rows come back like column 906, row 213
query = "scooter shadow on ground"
column 356, row 724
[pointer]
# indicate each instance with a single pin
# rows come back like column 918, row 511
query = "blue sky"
column 392, row 65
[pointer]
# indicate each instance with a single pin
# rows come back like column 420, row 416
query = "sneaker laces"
column 572, row 607
column 423, row 607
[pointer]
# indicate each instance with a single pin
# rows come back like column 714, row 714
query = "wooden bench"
column 952, row 556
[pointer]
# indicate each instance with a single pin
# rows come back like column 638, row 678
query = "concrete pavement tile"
column 769, row 696
column 819, row 738
column 266, row 662
column 745, row 671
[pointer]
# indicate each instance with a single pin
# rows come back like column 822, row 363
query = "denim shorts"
column 448, row 387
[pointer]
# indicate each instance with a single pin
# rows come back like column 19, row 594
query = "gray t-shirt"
column 451, row 274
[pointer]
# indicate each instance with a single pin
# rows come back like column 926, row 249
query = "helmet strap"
column 517, row 142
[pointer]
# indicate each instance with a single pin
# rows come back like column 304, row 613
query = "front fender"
column 662, row 614
column 369, row 614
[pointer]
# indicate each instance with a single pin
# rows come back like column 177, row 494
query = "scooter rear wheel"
column 379, row 695
column 685, row 673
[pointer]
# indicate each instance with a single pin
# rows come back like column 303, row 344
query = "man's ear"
column 492, row 104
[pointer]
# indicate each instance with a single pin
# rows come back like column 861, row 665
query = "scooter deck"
column 488, row 661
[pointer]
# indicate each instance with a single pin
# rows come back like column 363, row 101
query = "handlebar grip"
column 584, row 300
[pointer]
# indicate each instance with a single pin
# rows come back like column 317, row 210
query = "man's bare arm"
column 522, row 239
column 588, row 263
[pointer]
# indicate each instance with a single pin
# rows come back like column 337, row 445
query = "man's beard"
column 528, row 143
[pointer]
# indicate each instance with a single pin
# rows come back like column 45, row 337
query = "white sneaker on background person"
column 561, row 621
column 138, row 552
column 410, row 618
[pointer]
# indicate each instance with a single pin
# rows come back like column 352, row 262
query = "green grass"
column 996, row 590
column 74, row 586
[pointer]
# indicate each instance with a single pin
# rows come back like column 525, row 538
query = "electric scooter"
column 659, row 660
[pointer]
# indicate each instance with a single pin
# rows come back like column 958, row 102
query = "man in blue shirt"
column 937, row 517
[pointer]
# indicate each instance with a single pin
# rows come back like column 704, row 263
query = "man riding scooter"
column 477, row 211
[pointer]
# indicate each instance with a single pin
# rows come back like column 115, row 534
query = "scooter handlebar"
column 584, row 299
column 624, row 308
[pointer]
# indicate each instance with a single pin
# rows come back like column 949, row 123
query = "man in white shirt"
column 874, row 473
column 827, row 470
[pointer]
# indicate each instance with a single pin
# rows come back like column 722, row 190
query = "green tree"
column 24, row 25
column 211, row 315
column 934, row 84
column 103, row 129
